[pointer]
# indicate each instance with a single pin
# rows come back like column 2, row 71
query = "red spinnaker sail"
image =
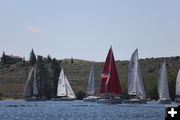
column 110, row 80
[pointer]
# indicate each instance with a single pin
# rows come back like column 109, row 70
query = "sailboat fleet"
column 110, row 89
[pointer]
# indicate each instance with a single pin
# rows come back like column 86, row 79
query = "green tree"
column 3, row 58
column 49, row 59
column 80, row 94
column 72, row 61
column 32, row 57
column 56, row 71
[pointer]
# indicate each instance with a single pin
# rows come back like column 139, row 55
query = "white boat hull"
column 90, row 99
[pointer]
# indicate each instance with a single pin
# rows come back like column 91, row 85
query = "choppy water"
column 78, row 110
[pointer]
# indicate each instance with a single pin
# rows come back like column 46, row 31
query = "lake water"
column 78, row 110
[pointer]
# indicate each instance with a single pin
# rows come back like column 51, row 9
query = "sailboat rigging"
column 91, row 88
column 31, row 91
column 163, row 88
column 136, row 90
column 110, row 84
column 64, row 90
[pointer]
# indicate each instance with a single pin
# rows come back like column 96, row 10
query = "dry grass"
column 13, row 78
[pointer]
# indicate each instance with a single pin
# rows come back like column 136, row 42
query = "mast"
column 90, row 89
column 178, row 84
column 110, row 80
column 163, row 88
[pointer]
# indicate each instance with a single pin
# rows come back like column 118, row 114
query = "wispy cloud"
column 36, row 30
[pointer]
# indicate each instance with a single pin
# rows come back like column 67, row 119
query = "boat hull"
column 90, row 99
column 63, row 99
column 136, row 101
column 110, row 101
column 35, row 99
column 177, row 100
column 167, row 101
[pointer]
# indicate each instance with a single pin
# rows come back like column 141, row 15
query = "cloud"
column 35, row 30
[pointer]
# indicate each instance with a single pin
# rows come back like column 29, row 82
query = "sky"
column 85, row 29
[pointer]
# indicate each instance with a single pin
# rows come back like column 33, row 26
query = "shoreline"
column 11, row 98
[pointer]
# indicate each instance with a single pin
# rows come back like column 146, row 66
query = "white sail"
column 61, row 89
column 27, row 89
column 135, row 83
column 31, row 83
column 178, row 84
column 64, row 88
column 69, row 90
column 163, row 88
column 90, row 89
column 35, row 88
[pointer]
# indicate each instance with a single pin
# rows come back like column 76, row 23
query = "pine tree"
column 56, row 71
column 3, row 58
column 49, row 59
column 72, row 61
column 32, row 58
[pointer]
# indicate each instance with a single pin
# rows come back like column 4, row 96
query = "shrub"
column 80, row 94
column 1, row 95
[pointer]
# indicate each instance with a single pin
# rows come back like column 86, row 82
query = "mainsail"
column 61, row 89
column 31, row 88
column 64, row 88
column 90, row 89
column 178, row 84
column 135, row 83
column 110, row 80
column 163, row 88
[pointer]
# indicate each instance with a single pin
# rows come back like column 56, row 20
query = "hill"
column 13, row 77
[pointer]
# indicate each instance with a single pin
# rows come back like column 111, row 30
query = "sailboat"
column 90, row 88
column 31, row 92
column 163, row 88
column 64, row 90
column 178, row 87
column 110, row 84
column 136, row 90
